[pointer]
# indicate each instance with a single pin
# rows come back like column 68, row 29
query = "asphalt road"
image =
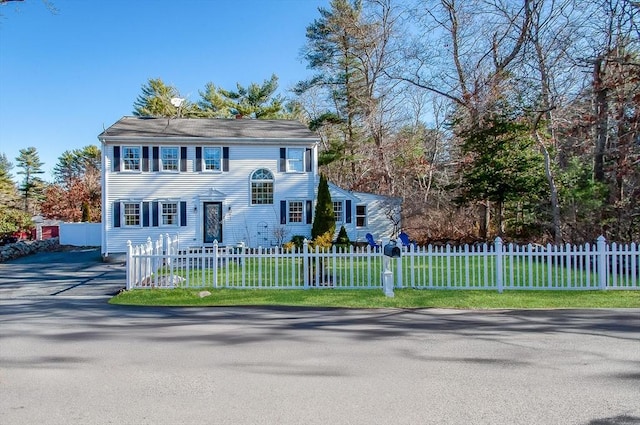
column 69, row 358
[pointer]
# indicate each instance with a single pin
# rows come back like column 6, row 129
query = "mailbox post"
column 390, row 251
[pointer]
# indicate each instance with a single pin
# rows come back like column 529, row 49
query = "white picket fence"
column 497, row 266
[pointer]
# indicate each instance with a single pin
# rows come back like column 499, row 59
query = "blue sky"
column 66, row 76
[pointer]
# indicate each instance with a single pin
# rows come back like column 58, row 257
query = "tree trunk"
column 553, row 198
column 485, row 219
column 601, row 107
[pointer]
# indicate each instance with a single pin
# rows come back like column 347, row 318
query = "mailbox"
column 391, row 250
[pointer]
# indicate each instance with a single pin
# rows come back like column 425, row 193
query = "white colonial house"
column 231, row 180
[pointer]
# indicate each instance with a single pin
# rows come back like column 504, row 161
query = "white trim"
column 161, row 162
column 160, row 214
column 122, row 159
column 123, row 221
column 203, row 163
column 302, row 160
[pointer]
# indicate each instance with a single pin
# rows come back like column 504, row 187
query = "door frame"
column 204, row 221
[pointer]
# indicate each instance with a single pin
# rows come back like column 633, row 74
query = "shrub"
column 297, row 241
column 342, row 241
column 324, row 219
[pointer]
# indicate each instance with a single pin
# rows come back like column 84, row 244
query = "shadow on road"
column 276, row 322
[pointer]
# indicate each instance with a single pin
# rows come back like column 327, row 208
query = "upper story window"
column 170, row 158
column 361, row 215
column 131, row 158
column 295, row 160
column 212, row 159
column 261, row 187
column 338, row 211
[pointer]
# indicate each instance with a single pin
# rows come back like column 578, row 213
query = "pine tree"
column 32, row 186
column 12, row 219
column 255, row 101
column 156, row 101
column 8, row 191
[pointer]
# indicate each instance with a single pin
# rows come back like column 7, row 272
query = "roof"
column 209, row 128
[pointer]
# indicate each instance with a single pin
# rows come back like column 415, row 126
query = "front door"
column 212, row 219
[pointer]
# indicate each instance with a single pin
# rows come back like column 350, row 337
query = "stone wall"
column 22, row 248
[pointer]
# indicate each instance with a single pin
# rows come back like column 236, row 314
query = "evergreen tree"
column 156, row 101
column 77, row 164
column 213, row 104
column 255, row 101
column 12, row 219
column 342, row 241
column 324, row 220
column 501, row 165
column 32, row 186
column 8, row 191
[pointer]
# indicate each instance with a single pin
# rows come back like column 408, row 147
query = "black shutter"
column 116, row 214
column 183, row 213
column 156, row 158
column 225, row 158
column 282, row 165
column 308, row 154
column 198, row 165
column 145, row 158
column 183, row 159
column 309, row 208
column 283, row 212
column 145, row 214
column 154, row 214
column 347, row 211
column 116, row 158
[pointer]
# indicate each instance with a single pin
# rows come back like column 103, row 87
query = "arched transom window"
column 261, row 187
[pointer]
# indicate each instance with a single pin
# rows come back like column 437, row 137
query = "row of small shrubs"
column 324, row 241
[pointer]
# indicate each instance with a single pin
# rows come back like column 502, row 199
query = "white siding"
column 252, row 224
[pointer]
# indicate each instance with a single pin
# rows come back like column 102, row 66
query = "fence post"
column 305, row 263
column 129, row 263
column 215, row 262
column 602, row 262
column 399, row 276
column 498, row 250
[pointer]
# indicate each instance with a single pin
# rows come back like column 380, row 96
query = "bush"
column 342, row 241
column 298, row 241
column 323, row 242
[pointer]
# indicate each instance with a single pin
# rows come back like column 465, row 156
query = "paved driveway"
column 78, row 360
column 70, row 273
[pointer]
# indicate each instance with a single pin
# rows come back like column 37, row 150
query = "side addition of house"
column 227, row 180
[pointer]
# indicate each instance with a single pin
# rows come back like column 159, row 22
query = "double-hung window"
column 131, row 158
column 338, row 211
column 169, row 213
column 212, row 158
column 170, row 158
column 131, row 213
column 295, row 160
column 361, row 215
column 296, row 211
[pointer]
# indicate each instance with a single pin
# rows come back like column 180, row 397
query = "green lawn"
column 370, row 298
column 472, row 271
